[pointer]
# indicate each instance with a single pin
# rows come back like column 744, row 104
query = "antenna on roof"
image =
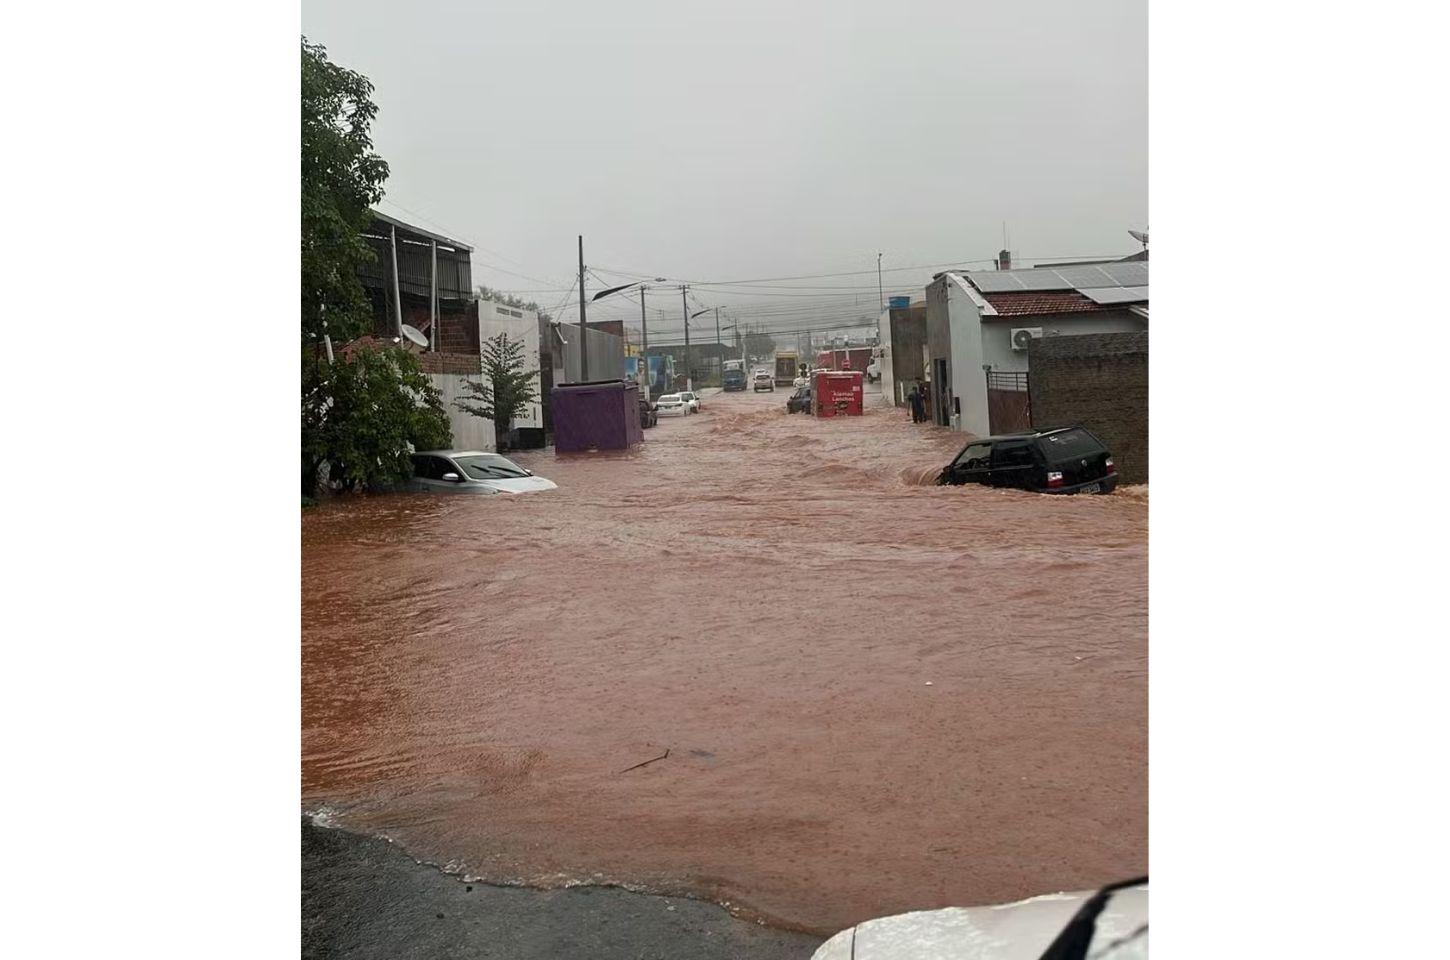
column 1141, row 236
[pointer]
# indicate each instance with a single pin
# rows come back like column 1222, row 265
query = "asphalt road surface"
column 365, row 899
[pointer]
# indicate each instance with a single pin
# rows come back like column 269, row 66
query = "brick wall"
column 457, row 320
column 468, row 364
column 1101, row 381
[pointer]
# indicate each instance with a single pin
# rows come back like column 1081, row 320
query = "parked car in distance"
column 734, row 380
column 1062, row 460
column 799, row 401
column 763, row 380
column 692, row 401
column 472, row 471
column 873, row 370
column 671, row 405
column 647, row 415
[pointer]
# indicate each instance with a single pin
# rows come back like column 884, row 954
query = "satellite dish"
column 1139, row 235
column 415, row 335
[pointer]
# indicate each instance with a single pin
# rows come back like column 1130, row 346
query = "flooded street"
column 876, row 695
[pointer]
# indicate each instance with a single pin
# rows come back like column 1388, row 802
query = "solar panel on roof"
column 995, row 281
column 1133, row 274
column 1042, row 279
column 1107, row 295
column 1087, row 277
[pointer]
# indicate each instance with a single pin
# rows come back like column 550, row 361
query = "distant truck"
column 735, row 376
column 786, row 364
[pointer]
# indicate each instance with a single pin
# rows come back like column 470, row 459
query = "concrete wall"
column 903, row 335
column 496, row 318
column 469, row 432
column 1100, row 381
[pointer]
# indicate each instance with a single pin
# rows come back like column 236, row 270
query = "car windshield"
column 670, row 398
column 490, row 466
column 1069, row 444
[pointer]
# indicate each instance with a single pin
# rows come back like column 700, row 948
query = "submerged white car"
column 692, row 401
column 671, row 405
column 1111, row 923
column 472, row 471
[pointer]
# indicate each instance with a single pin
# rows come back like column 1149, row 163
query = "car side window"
column 1012, row 455
column 430, row 468
column 975, row 457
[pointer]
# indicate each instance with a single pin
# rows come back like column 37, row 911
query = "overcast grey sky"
column 751, row 139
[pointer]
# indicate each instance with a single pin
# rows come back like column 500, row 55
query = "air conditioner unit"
column 1021, row 336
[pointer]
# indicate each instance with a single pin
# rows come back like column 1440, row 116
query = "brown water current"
column 877, row 695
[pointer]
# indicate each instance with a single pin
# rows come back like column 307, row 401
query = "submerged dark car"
column 1064, row 460
column 799, row 401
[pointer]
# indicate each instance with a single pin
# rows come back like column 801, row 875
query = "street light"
column 643, row 323
column 689, row 372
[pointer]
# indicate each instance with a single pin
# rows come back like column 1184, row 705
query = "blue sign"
column 899, row 303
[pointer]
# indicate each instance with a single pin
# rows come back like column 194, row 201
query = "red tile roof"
column 1029, row 304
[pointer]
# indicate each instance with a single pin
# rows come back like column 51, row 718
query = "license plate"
column 1092, row 488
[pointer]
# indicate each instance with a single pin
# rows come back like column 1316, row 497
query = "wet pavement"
column 876, row 695
column 365, row 899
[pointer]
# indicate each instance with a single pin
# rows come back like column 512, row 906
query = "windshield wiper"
column 1073, row 942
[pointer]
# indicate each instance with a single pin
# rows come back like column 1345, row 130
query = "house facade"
column 979, row 326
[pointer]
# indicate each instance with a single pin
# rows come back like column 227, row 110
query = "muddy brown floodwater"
column 876, row 695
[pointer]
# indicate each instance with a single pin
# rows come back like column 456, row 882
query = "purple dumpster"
column 597, row 415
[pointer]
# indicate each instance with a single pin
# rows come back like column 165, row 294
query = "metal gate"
column 1009, row 405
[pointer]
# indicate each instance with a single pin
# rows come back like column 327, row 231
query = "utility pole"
column 643, row 324
column 685, row 312
column 719, row 350
column 433, row 301
column 583, row 329
column 881, row 296
column 397, row 295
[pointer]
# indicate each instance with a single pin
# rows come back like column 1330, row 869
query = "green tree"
column 759, row 344
column 363, row 414
column 341, row 179
column 507, row 387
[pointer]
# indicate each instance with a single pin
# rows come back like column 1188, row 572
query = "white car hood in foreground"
column 1010, row 931
column 520, row 484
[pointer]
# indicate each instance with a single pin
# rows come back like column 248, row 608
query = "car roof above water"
column 454, row 453
column 1026, row 434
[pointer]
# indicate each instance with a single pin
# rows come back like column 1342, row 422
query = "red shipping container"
column 837, row 394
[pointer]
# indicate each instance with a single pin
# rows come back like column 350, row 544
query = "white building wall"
column 469, row 432
column 968, row 380
column 496, row 318
column 888, row 378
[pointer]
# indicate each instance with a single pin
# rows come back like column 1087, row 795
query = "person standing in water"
column 914, row 398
